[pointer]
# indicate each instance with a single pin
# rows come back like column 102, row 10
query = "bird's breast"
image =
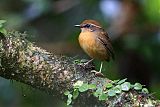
column 89, row 43
column 87, row 40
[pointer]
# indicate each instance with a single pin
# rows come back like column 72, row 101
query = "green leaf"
column 2, row 22
column 83, row 88
column 2, row 30
column 103, row 96
column 122, row 81
column 98, row 92
column 83, row 60
column 117, row 89
column 111, row 93
column 109, row 85
column 78, row 84
column 145, row 90
column 137, row 86
column 125, row 86
column 75, row 93
column 92, row 86
column 66, row 92
column 69, row 101
column 95, row 94
column 77, row 61
column 115, row 81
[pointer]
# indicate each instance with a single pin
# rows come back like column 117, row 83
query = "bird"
column 94, row 40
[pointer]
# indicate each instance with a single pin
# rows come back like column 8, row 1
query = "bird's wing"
column 104, row 39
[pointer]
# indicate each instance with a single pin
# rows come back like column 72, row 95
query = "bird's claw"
column 97, row 74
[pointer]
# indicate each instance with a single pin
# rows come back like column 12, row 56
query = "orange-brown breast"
column 90, row 44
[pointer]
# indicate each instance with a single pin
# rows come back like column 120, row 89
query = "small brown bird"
column 95, row 41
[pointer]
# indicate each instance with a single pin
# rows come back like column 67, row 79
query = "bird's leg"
column 101, row 67
column 99, row 74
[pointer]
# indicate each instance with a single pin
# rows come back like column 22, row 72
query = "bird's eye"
column 87, row 25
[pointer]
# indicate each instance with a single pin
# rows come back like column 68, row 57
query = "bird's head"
column 89, row 25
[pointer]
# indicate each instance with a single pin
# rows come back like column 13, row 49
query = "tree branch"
column 23, row 61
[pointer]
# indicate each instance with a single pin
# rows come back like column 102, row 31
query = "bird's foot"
column 97, row 74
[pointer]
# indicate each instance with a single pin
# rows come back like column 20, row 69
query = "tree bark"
column 23, row 61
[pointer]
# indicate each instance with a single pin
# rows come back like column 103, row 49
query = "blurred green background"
column 133, row 26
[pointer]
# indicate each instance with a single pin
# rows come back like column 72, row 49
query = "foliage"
column 110, row 89
column 2, row 30
column 80, row 61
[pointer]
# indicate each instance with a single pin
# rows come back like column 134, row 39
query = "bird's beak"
column 77, row 25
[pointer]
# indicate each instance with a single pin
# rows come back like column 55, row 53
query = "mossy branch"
column 23, row 61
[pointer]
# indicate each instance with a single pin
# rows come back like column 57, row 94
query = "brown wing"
column 104, row 39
